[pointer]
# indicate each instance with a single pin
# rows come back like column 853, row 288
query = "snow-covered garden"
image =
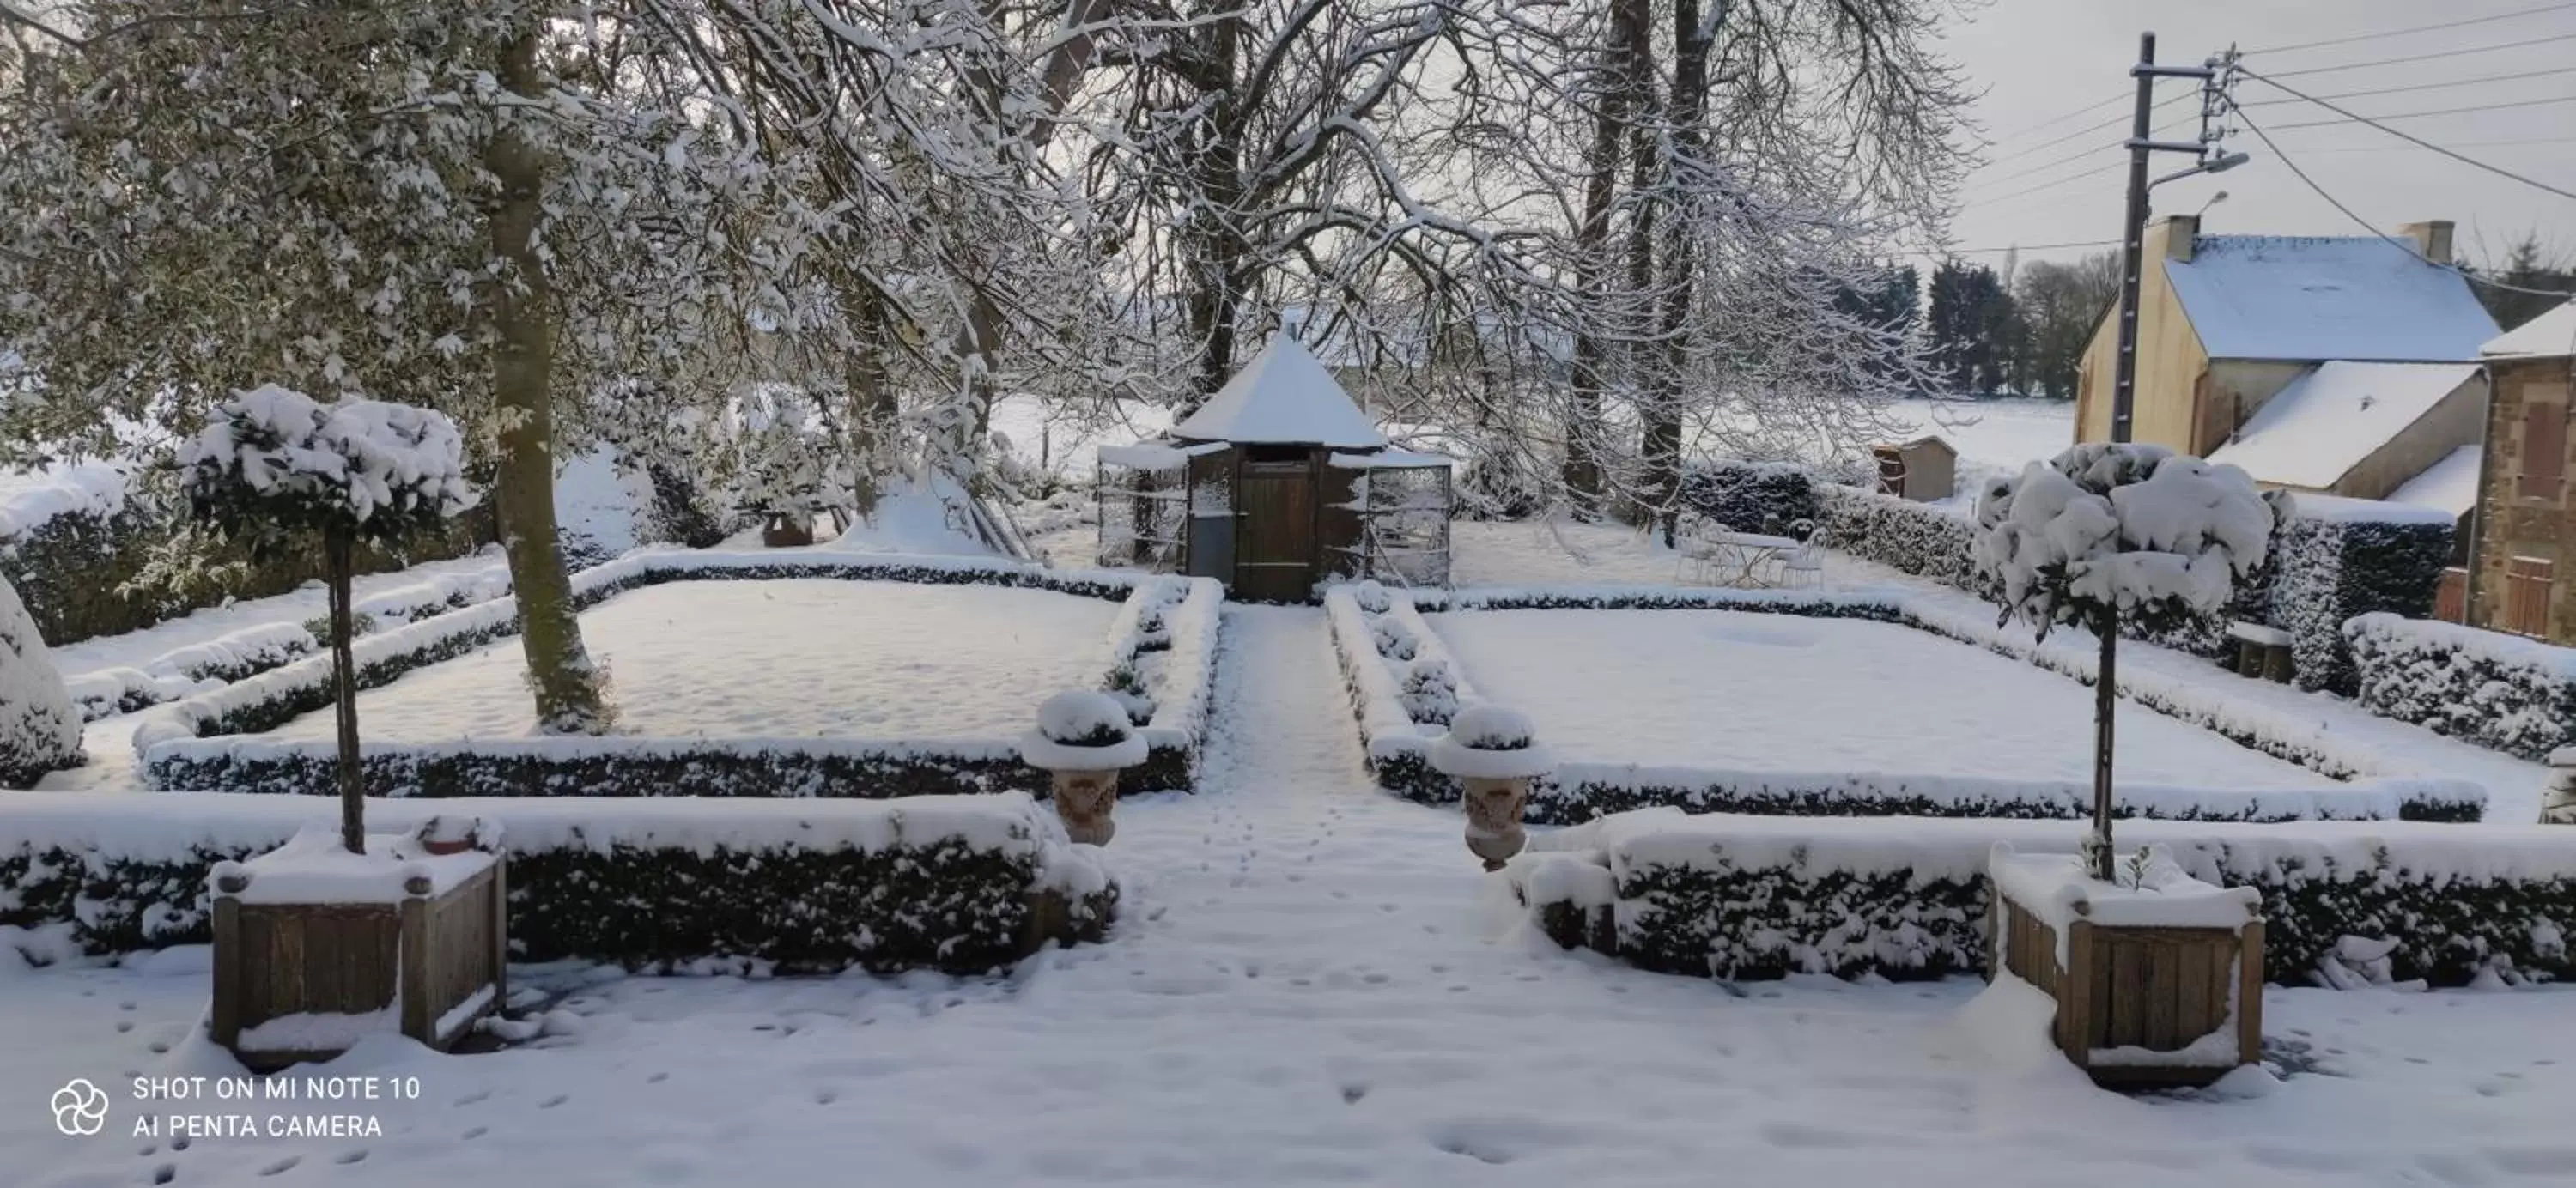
column 794, row 658
column 579, row 615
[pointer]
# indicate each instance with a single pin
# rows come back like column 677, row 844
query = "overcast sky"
column 2042, row 59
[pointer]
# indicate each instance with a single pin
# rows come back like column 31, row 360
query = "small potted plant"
column 1495, row 753
column 1083, row 739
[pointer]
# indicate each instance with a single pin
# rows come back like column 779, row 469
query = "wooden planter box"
column 2128, row 987
column 2262, row 652
column 429, row 964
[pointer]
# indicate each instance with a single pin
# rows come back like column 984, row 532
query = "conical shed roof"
column 1283, row 397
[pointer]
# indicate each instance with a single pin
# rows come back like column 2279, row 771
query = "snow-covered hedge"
column 1936, row 541
column 40, row 731
column 196, row 743
column 2502, row 691
column 961, row 884
column 1164, row 640
column 1397, row 727
column 1583, row 791
column 1766, row 497
column 2341, row 558
column 85, row 573
column 1394, row 737
column 1740, row 897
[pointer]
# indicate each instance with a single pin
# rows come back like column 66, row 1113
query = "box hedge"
column 2501, row 691
column 1743, row 898
column 200, row 743
column 964, row 885
column 2337, row 559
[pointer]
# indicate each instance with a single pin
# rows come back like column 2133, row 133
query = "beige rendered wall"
column 2170, row 361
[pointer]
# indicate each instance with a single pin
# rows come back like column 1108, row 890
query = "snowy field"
column 1729, row 689
column 1993, row 434
column 1310, row 983
column 798, row 658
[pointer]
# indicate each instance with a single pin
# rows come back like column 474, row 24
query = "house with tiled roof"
column 2344, row 365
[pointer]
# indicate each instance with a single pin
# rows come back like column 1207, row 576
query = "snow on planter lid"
column 1082, row 730
column 1490, row 742
column 313, row 867
column 2057, row 889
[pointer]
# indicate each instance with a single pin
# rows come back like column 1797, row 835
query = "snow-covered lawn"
column 778, row 659
column 1308, row 985
column 1776, row 692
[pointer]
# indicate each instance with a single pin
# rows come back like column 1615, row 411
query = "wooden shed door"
column 1274, row 551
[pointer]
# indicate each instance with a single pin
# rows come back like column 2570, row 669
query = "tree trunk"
column 568, row 693
column 339, row 560
column 1211, row 243
column 2106, row 698
column 1661, row 448
column 1621, row 74
column 873, row 409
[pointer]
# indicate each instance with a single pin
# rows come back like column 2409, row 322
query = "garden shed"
column 1924, row 469
column 1276, row 484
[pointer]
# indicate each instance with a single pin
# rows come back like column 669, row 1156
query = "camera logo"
column 80, row 1108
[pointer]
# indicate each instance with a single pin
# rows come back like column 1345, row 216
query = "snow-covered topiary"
column 1395, row 641
column 1372, row 597
column 2112, row 531
column 1080, row 730
column 1430, row 694
column 272, row 463
column 40, row 730
column 1490, row 742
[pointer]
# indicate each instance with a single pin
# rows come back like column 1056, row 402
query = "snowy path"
column 1306, row 987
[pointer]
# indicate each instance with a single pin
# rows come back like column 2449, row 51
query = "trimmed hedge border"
column 1580, row 792
column 1394, row 745
column 1749, row 898
column 195, row 743
column 2337, row 559
column 2499, row 691
column 964, row 885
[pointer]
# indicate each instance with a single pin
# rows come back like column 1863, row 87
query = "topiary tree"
column 40, row 731
column 2107, row 533
column 274, row 468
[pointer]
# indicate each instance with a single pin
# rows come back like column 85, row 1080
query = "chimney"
column 2180, row 233
column 2432, row 239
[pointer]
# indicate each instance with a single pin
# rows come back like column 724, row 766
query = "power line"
column 2034, row 247
column 2465, row 82
column 2405, row 148
column 2463, row 158
column 2113, row 122
column 2485, row 20
column 2051, row 185
column 2054, row 121
column 2481, row 49
column 2366, row 225
column 2087, row 151
column 2411, row 115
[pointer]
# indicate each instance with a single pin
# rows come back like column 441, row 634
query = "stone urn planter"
column 1083, row 739
column 2157, row 976
column 1493, row 752
column 317, row 948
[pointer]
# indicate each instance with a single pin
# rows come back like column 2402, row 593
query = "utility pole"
column 2133, row 229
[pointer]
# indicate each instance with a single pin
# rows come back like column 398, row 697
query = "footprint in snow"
column 357, row 1156
column 165, row 1173
column 552, row 1102
column 471, row 1098
column 477, row 1132
column 282, row 1166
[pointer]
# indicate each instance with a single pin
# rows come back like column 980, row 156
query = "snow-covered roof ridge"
column 1283, row 397
column 2552, row 333
column 2317, row 298
column 2333, row 418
